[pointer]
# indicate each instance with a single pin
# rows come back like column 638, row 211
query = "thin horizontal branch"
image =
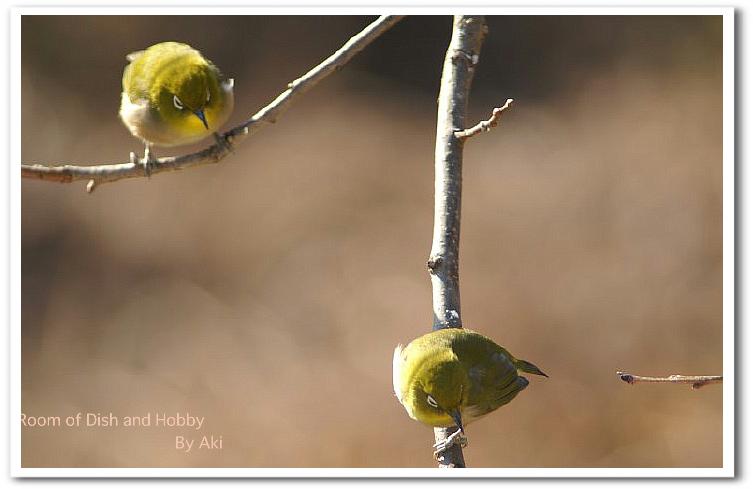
column 98, row 174
column 485, row 125
column 697, row 381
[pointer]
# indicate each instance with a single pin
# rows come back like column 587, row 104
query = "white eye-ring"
column 177, row 103
column 209, row 94
column 430, row 400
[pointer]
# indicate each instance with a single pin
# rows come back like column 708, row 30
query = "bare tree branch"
column 485, row 125
column 459, row 67
column 697, row 381
column 98, row 174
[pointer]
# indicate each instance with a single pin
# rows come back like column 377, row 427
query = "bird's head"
column 441, row 390
column 187, row 91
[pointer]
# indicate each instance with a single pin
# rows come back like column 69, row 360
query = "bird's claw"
column 148, row 161
column 456, row 438
column 223, row 143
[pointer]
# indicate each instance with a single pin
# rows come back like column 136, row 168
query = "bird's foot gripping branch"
column 443, row 445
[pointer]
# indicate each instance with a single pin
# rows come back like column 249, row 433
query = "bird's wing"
column 131, row 57
column 136, row 92
column 397, row 367
column 494, row 383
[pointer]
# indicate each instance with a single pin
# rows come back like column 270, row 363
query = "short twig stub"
column 485, row 125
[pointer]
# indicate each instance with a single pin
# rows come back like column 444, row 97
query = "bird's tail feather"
column 528, row 367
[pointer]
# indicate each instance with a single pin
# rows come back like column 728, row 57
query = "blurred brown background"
column 267, row 293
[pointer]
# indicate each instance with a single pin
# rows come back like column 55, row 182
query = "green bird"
column 453, row 376
column 172, row 95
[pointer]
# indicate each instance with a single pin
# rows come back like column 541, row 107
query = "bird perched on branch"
column 453, row 376
column 172, row 95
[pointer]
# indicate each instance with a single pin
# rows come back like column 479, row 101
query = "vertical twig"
column 459, row 66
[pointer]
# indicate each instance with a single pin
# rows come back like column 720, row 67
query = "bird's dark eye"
column 177, row 103
column 431, row 402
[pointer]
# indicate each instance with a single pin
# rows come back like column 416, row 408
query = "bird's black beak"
column 200, row 114
column 458, row 419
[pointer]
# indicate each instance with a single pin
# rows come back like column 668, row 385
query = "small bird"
column 453, row 376
column 172, row 96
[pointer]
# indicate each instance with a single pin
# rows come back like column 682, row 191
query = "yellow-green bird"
column 453, row 376
column 172, row 95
